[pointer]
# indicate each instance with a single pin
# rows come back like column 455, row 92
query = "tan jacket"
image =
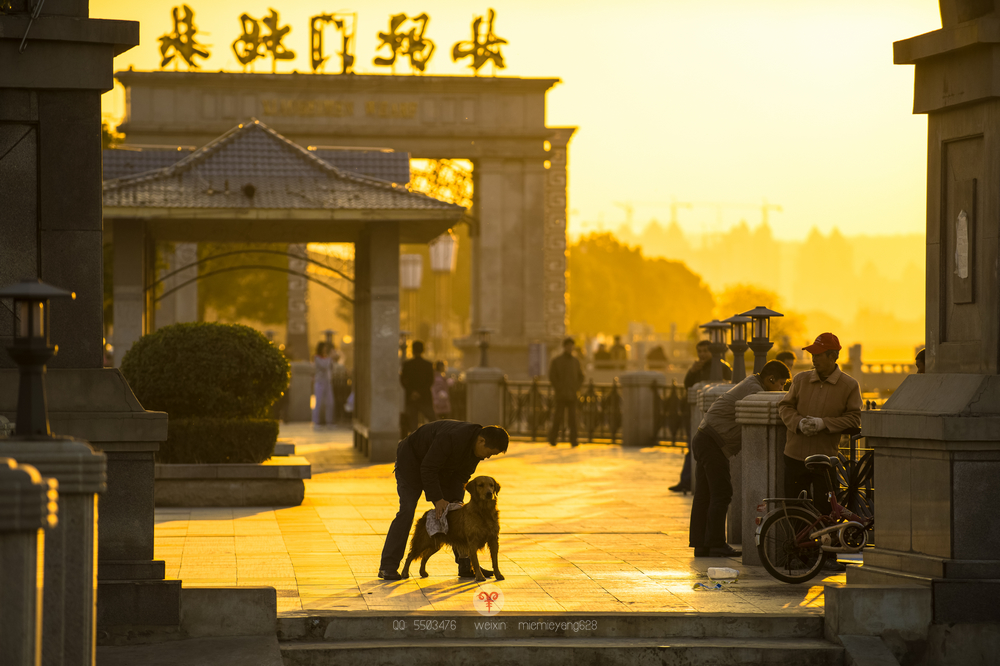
column 837, row 400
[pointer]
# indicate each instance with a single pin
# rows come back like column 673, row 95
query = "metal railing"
column 528, row 408
column 671, row 414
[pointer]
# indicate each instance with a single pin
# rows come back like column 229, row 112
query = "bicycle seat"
column 818, row 461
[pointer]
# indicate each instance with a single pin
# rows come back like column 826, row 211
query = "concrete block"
column 229, row 492
column 867, row 651
column 228, row 651
column 138, row 603
column 229, row 611
column 484, row 396
column 872, row 610
column 638, row 405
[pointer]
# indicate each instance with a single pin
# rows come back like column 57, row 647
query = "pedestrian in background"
column 440, row 391
column 566, row 377
column 417, row 377
column 322, row 389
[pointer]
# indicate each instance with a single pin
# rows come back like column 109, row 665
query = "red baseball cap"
column 824, row 343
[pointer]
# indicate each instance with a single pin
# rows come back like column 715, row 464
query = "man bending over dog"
column 718, row 439
column 437, row 459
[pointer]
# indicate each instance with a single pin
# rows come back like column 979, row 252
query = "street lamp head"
column 739, row 325
column 761, row 321
column 716, row 331
column 411, row 271
column 31, row 309
column 443, row 255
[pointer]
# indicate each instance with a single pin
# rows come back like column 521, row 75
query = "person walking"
column 417, row 377
column 322, row 389
column 440, row 392
column 437, row 459
column 719, row 438
column 566, row 377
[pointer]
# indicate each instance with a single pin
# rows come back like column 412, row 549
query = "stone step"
column 566, row 652
column 403, row 626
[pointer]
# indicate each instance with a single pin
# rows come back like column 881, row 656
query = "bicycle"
column 794, row 539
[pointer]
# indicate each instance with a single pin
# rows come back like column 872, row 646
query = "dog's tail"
column 420, row 532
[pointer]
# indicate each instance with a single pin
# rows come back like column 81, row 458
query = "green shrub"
column 206, row 370
column 204, row 440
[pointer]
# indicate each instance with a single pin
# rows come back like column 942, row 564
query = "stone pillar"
column 556, row 204
column 377, row 333
column 484, row 396
column 639, row 407
column 762, row 463
column 68, row 632
column 129, row 286
column 27, row 506
column 185, row 298
column 937, row 439
column 297, row 338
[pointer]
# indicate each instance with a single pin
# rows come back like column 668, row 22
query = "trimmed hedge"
column 206, row 370
column 206, row 440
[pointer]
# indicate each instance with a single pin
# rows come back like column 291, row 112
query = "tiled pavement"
column 589, row 529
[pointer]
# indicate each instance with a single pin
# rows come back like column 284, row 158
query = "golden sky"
column 730, row 101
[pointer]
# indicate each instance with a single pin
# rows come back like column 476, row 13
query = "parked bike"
column 794, row 539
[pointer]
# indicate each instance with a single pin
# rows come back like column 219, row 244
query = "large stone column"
column 762, row 462
column 129, row 288
column 937, row 439
column 376, row 317
column 556, row 204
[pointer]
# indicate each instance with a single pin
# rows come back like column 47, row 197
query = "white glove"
column 811, row 425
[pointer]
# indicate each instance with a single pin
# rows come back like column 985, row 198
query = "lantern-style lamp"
column 328, row 334
column 717, row 338
column 411, row 271
column 483, row 334
column 444, row 257
column 738, row 345
column 760, row 343
column 31, row 350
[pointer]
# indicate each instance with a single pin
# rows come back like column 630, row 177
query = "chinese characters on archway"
column 404, row 39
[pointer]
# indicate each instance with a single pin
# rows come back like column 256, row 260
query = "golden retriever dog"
column 470, row 529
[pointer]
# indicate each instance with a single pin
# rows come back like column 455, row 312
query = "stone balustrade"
column 762, row 468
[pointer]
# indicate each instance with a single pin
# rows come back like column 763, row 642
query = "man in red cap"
column 820, row 405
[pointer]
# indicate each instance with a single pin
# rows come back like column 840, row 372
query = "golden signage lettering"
column 308, row 108
column 391, row 109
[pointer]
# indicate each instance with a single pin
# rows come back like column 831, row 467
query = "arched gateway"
column 519, row 166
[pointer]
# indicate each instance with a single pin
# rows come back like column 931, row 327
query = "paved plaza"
column 591, row 529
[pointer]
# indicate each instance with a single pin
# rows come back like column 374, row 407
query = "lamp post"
column 31, row 351
column 717, row 339
column 411, row 274
column 329, row 334
column 444, row 261
column 69, row 602
column 738, row 345
column 760, row 343
column 484, row 344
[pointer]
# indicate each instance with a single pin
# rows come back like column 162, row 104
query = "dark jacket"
column 441, row 455
column 694, row 376
column 565, row 375
column 417, row 377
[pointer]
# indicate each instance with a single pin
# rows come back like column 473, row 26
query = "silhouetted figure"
column 417, row 377
column 322, row 389
column 602, row 353
column 921, row 367
column 440, row 390
column 566, row 377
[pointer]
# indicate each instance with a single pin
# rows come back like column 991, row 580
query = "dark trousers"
column 798, row 478
column 686, row 470
column 409, row 491
column 417, row 408
column 563, row 404
column 713, row 491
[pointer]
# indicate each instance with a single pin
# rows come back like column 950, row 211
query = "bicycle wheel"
column 781, row 555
